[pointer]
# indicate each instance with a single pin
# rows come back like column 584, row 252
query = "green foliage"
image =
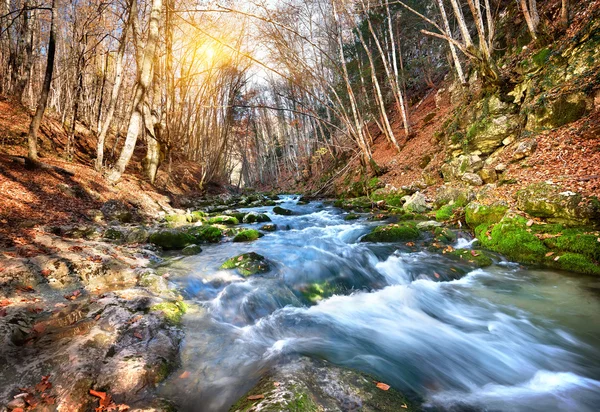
column 351, row 216
column 399, row 232
column 247, row 235
column 541, row 57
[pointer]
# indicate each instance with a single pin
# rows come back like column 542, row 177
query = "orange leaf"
column 437, row 275
column 383, row 386
column 138, row 335
column 101, row 395
column 474, row 254
column 184, row 375
column 549, row 254
column 530, row 223
column 255, row 397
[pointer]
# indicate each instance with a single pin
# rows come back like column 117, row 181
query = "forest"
column 299, row 205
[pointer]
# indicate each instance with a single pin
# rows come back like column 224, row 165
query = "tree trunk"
column 462, row 24
column 25, row 53
column 564, row 14
column 43, row 101
column 457, row 65
column 112, row 105
column 528, row 19
column 144, row 80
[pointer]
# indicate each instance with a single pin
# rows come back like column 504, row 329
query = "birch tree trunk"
column 144, row 80
column 462, row 24
column 43, row 101
column 457, row 65
column 564, row 14
column 112, row 105
column 528, row 18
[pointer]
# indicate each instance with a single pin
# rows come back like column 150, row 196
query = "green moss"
column 373, row 183
column 197, row 216
column 390, row 199
column 541, row 57
column 511, row 238
column 248, row 264
column 444, row 235
column 171, row 239
column 351, row 216
column 113, row 234
column 256, row 217
column 206, row 234
column 477, row 214
column 576, row 240
column 315, row 292
column 575, row 262
column 172, row 311
column 191, row 250
column 247, row 235
column 448, row 211
column 176, row 220
column 400, row 232
column 224, row 220
column 278, row 210
column 477, row 257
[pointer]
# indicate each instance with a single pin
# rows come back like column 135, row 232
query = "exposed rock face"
column 487, row 136
column 461, row 165
column 416, row 203
column 564, row 110
column 525, row 149
column 315, row 385
column 453, row 194
column 488, row 175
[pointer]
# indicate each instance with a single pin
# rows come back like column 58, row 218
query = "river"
column 502, row 338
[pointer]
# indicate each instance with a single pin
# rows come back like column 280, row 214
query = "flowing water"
column 500, row 339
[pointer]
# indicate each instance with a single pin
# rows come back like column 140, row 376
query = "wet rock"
column 472, row 179
column 171, row 239
column 191, row 250
column 248, row 264
column 247, row 235
column 175, row 220
column 316, row 385
column 525, row 149
column 154, row 282
column 398, row 232
column 477, row 258
column 429, row 225
column 114, row 233
column 282, row 211
column 416, row 203
column 223, row 220
column 116, row 210
column 269, row 228
column 254, row 217
column 351, row 216
column 205, row 234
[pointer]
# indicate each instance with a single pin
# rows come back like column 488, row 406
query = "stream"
column 501, row 338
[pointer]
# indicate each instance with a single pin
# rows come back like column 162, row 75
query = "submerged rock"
column 191, row 250
column 278, row 210
column 269, row 228
column 317, row 385
column 248, row 264
column 399, row 232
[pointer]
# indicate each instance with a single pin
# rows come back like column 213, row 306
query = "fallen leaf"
column 138, row 335
column 184, row 375
column 549, row 254
column 530, row 223
column 437, row 275
column 97, row 394
column 46, row 272
column 474, row 254
column 405, row 406
column 383, row 386
column 255, row 397
column 556, row 258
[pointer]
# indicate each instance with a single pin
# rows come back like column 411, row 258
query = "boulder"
column 191, row 250
column 278, row 210
column 248, row 264
column 563, row 110
column 254, row 217
column 472, row 179
column 525, row 149
column 416, row 203
column 487, row 135
column 269, row 228
column 428, row 225
column 223, row 220
column 171, row 239
column 548, row 201
column 116, row 210
column 206, row 234
column 137, row 235
column 477, row 214
column 399, row 232
column 461, row 165
column 247, row 235
column 488, row 175
column 453, row 194
column 316, row 385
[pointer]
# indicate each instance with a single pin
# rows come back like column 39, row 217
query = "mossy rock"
column 576, row 240
column 399, row 232
column 256, row 218
column 177, row 220
column 205, row 234
column 197, row 216
column 247, row 235
column 378, row 217
column 351, row 216
column 137, row 235
column 317, row 291
column 191, row 250
column 564, row 110
column 248, row 264
column 269, row 228
column 278, row 210
column 171, row 239
column 450, row 211
column 478, row 258
column 444, row 235
column 223, row 220
column 114, row 234
column 477, row 214
column 303, row 385
column 172, row 311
